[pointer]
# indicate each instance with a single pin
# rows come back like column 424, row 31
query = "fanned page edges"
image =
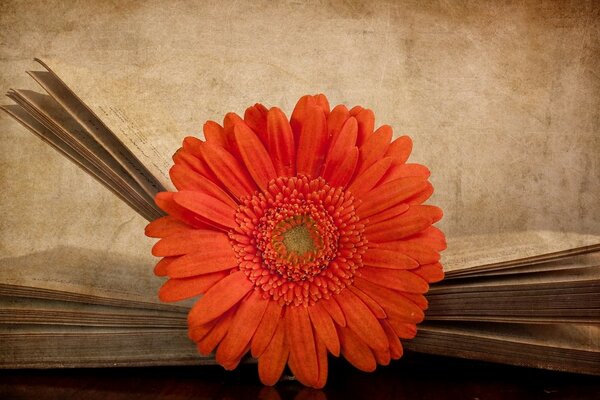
column 85, row 139
column 20, row 114
column 487, row 253
column 132, row 106
column 97, row 129
column 43, row 116
column 559, row 347
column 88, row 312
column 306, row 237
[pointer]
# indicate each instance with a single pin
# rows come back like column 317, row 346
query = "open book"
column 526, row 297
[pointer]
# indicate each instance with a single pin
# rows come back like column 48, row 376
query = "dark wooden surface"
column 413, row 377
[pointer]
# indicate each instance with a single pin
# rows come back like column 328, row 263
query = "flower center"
column 300, row 240
column 297, row 238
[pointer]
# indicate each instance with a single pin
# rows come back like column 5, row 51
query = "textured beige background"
column 502, row 99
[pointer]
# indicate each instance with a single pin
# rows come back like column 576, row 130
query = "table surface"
column 416, row 376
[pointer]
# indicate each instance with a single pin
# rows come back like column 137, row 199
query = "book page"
column 485, row 250
column 562, row 278
column 566, row 263
column 562, row 347
column 120, row 279
column 95, row 127
column 566, row 336
column 48, row 312
column 59, row 347
column 41, row 131
column 143, row 125
column 73, row 134
column 67, row 134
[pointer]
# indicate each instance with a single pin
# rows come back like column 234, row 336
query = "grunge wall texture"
column 507, row 83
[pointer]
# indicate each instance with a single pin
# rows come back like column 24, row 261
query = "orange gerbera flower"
column 306, row 237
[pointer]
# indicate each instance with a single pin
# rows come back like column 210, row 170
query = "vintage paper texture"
column 502, row 100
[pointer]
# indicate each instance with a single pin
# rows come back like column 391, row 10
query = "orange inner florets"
column 292, row 242
column 300, row 240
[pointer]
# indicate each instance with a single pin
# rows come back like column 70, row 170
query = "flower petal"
column 197, row 332
column 233, row 364
column 341, row 143
column 185, row 288
column 206, row 261
column 367, row 179
column 256, row 119
column 421, row 197
column 266, row 328
column 302, row 342
column 404, row 330
column 322, row 362
column 184, row 178
column 361, row 320
column 334, row 310
column 420, row 252
column 281, row 143
column 416, row 219
column 339, row 175
column 416, row 298
column 324, row 327
column 299, row 114
column 388, row 195
column 433, row 213
column 220, row 298
column 272, row 361
column 395, row 279
column 355, row 110
column 382, row 357
column 366, row 124
column 398, row 171
column 165, row 226
column 166, row 202
column 432, row 237
column 209, row 341
column 161, row 267
column 196, row 161
column 392, row 302
column 312, row 143
column 400, row 149
column 430, row 272
column 229, row 122
column 356, row 351
column 298, row 373
column 322, row 102
column 255, row 156
column 384, row 258
column 375, row 308
column 190, row 241
column 375, row 147
column 336, row 119
column 215, row 134
column 243, row 327
column 389, row 213
column 192, row 146
column 207, row 207
column 228, row 170
column 396, row 350
column 396, row 228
